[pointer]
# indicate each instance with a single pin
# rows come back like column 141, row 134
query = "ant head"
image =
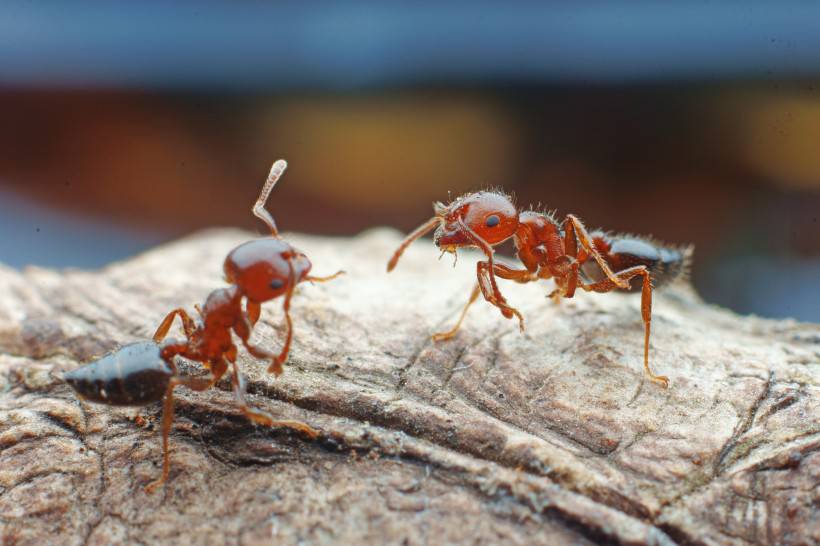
column 261, row 269
column 488, row 214
column 265, row 268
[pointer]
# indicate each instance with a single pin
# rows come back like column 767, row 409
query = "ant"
column 144, row 372
column 565, row 252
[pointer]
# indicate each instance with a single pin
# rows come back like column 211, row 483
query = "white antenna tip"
column 278, row 167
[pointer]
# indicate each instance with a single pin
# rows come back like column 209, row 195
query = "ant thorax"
column 539, row 239
column 222, row 307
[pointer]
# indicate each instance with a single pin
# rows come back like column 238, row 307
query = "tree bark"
column 547, row 437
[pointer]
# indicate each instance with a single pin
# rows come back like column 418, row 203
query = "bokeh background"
column 123, row 125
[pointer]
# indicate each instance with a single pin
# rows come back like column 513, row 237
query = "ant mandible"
column 144, row 372
column 565, row 252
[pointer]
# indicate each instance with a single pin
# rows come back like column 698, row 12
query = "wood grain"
column 547, row 437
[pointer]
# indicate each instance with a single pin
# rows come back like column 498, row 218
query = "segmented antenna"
column 259, row 211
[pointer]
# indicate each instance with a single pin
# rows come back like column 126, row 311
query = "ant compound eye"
column 276, row 284
column 492, row 220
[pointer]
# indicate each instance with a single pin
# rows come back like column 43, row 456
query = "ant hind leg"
column 607, row 285
column 193, row 383
column 574, row 228
column 261, row 417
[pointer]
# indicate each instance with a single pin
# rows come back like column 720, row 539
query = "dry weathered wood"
column 547, row 437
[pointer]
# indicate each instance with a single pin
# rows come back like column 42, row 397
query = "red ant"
column 142, row 373
column 565, row 252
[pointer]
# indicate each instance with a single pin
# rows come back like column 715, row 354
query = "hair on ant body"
column 141, row 373
column 548, row 249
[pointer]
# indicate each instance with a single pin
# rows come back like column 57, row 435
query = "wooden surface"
column 547, row 437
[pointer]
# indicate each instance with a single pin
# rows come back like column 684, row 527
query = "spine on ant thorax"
column 539, row 240
column 666, row 264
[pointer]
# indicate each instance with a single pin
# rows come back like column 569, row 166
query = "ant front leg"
column 489, row 288
column 607, row 285
column 521, row 276
column 188, row 324
column 276, row 365
column 485, row 271
column 244, row 326
column 253, row 310
column 441, row 336
column 574, row 228
column 503, row 271
column 193, row 383
column 261, row 417
column 243, row 329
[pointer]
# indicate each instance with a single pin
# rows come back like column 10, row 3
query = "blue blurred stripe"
column 278, row 45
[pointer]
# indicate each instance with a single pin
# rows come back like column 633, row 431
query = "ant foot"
column 266, row 419
column 661, row 380
column 276, row 367
column 151, row 487
column 520, row 319
column 444, row 336
column 297, row 426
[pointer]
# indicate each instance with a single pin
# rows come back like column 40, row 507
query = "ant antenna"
column 259, row 211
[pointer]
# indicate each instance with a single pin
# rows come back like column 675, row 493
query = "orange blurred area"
column 731, row 168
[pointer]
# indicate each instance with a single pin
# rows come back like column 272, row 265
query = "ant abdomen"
column 133, row 375
column 665, row 264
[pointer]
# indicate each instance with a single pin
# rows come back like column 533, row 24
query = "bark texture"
column 547, row 437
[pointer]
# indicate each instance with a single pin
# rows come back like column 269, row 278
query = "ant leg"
column 574, row 228
column 505, row 272
column 555, row 295
column 193, row 383
column 441, row 336
column 243, row 330
column 261, row 417
column 167, row 420
column 325, row 279
column 486, row 272
column 276, row 365
column 418, row 232
column 188, row 324
column 486, row 281
column 568, row 282
column 254, row 310
column 607, row 285
column 521, row 276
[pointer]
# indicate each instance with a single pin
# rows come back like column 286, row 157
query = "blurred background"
column 123, row 125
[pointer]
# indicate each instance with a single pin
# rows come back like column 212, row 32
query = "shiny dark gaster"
column 134, row 375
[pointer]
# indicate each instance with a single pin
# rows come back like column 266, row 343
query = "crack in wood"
column 743, row 426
